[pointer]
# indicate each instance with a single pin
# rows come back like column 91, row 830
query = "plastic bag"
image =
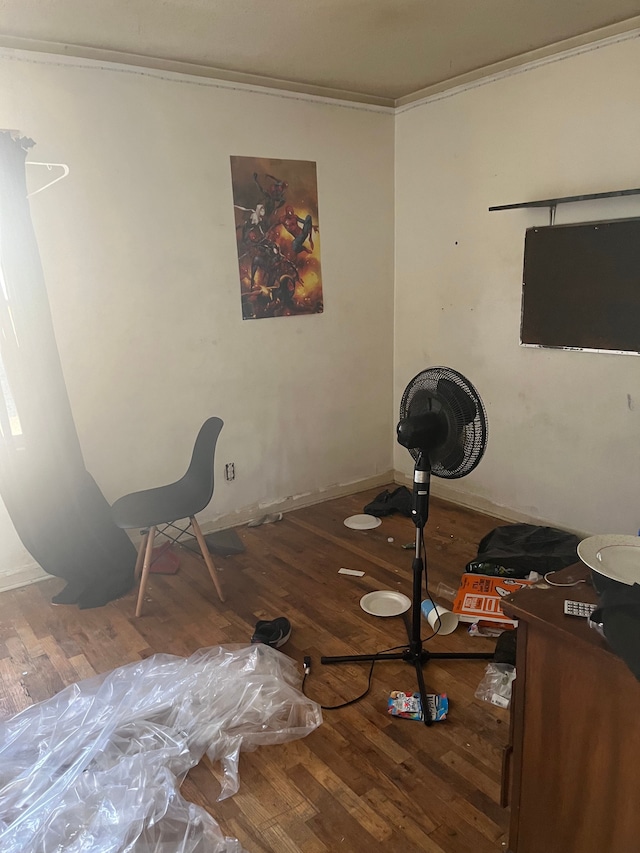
column 514, row 550
column 98, row 766
column 495, row 687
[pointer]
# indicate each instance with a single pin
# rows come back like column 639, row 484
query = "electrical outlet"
column 229, row 472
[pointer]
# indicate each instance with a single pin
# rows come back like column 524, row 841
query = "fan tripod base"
column 416, row 655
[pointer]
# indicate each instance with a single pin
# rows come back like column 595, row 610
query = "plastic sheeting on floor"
column 97, row 768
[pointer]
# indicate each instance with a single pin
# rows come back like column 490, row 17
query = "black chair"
column 155, row 510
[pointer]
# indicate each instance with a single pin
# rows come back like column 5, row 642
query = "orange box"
column 479, row 598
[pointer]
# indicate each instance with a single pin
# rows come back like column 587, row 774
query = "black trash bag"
column 619, row 614
column 387, row 502
column 514, row 550
column 505, row 651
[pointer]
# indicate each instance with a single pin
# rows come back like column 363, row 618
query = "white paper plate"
column 385, row 602
column 614, row 556
column 362, row 522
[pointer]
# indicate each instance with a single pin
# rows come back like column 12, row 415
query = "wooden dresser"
column 572, row 769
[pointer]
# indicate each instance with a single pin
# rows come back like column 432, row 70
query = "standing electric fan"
column 443, row 424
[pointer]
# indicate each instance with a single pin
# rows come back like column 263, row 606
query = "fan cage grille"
column 468, row 418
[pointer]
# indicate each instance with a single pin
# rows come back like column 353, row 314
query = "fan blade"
column 454, row 458
column 422, row 403
column 463, row 403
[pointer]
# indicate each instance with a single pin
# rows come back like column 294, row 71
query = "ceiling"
column 375, row 51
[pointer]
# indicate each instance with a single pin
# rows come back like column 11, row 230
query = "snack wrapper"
column 409, row 705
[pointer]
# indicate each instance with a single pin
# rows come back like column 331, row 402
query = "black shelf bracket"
column 552, row 203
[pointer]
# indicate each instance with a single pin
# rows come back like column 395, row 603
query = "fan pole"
column 416, row 654
column 419, row 515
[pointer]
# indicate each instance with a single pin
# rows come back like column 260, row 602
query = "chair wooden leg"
column 145, row 569
column 207, row 556
column 141, row 550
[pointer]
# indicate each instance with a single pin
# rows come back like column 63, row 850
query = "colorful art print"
column 278, row 236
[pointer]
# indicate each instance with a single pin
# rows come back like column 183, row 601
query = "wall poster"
column 278, row 236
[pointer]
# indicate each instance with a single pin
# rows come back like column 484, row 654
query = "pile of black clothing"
column 386, row 503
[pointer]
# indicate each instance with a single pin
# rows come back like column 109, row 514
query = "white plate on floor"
column 362, row 522
column 615, row 556
column 385, row 602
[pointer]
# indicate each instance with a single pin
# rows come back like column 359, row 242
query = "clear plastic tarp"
column 97, row 768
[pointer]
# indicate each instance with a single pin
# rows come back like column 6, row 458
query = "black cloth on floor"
column 505, row 651
column 386, row 503
column 514, row 550
column 226, row 543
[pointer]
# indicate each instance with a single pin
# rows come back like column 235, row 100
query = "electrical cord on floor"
column 307, row 670
column 553, row 583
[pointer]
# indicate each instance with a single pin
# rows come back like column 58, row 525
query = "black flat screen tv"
column 581, row 286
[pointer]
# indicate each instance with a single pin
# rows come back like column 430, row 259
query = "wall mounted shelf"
column 552, row 203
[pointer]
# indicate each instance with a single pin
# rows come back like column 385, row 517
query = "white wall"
column 138, row 248
column 564, row 443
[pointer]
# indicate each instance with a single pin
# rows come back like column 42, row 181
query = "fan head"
column 443, row 418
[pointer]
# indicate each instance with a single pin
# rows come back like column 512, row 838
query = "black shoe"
column 273, row 633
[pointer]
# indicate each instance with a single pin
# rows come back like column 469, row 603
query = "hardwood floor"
column 363, row 781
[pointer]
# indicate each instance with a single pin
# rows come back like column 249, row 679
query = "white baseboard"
column 339, row 490
column 446, row 491
column 22, row 576
column 246, row 514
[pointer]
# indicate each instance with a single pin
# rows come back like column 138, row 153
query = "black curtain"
column 56, row 507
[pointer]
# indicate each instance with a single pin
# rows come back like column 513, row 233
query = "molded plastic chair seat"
column 155, row 506
column 164, row 505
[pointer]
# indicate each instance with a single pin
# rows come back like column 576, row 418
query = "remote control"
column 578, row 608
